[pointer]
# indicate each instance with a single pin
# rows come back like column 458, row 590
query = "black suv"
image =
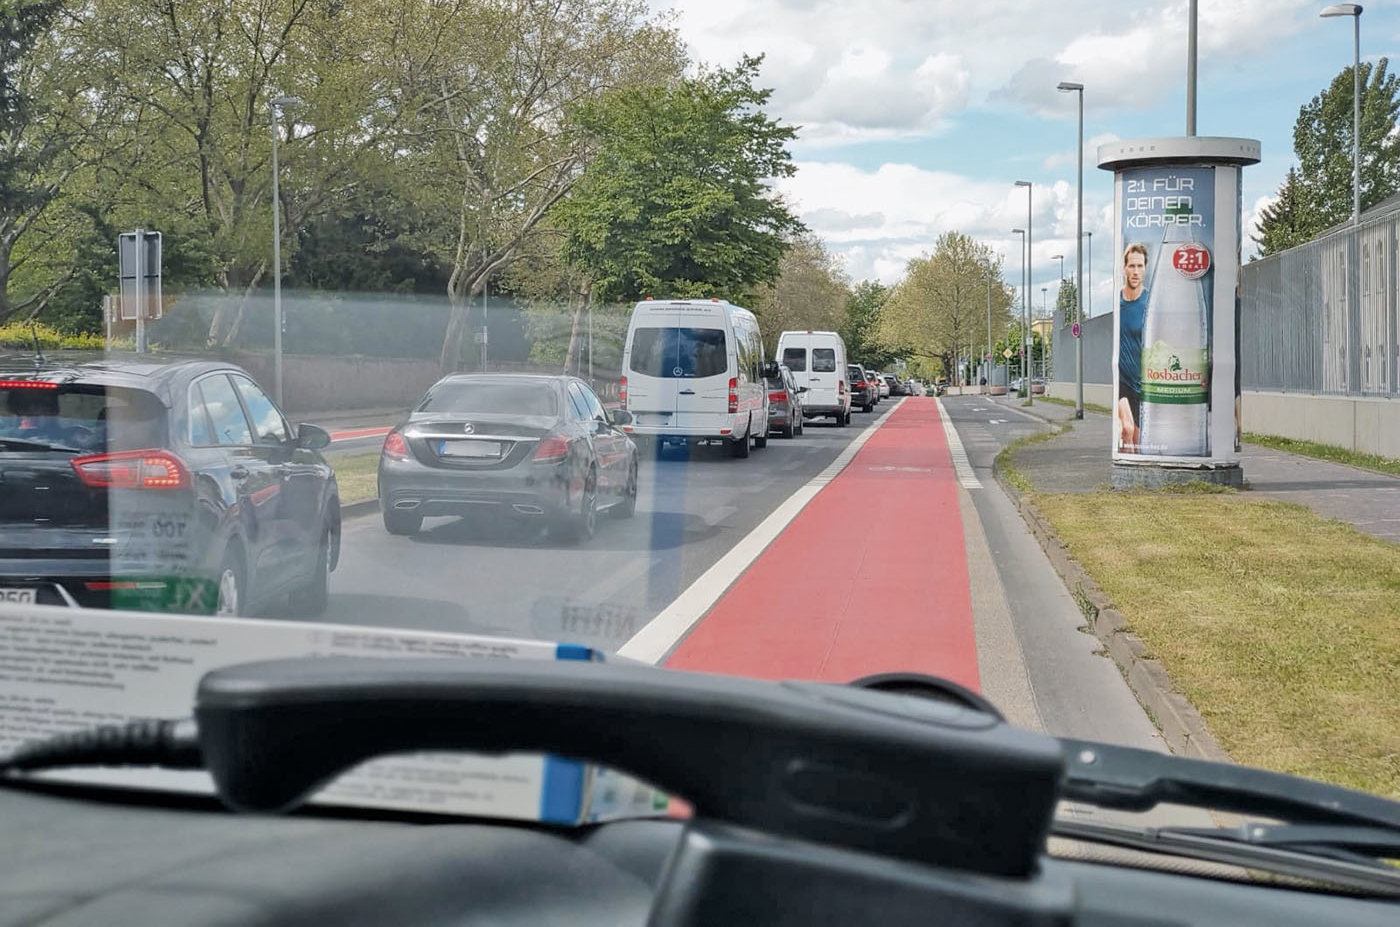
column 180, row 486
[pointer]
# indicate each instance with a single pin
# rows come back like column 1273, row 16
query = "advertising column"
column 1175, row 351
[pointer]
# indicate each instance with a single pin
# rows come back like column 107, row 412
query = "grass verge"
column 1069, row 404
column 358, row 476
column 1006, row 460
column 1330, row 452
column 1281, row 627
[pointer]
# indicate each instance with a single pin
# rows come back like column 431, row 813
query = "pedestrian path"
column 1078, row 461
column 870, row 577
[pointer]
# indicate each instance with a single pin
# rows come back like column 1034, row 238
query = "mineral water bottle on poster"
column 1176, row 349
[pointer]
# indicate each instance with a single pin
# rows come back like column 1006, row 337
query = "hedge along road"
column 504, row 580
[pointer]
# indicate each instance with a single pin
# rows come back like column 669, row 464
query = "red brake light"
column 552, row 448
column 152, row 469
column 622, row 393
column 394, row 446
column 733, row 395
column 27, row 384
column 840, row 387
column 779, row 396
column 860, row 385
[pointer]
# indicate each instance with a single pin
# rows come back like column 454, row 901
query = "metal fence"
column 1320, row 318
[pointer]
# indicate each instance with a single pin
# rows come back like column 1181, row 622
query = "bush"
column 21, row 337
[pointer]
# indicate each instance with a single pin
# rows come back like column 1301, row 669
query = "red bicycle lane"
column 870, row 577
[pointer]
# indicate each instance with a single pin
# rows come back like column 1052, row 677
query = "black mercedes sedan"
column 518, row 446
column 160, row 486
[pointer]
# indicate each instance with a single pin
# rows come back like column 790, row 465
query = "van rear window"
column 796, row 359
column 679, row 353
column 823, row 360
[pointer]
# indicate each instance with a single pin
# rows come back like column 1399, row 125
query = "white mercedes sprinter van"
column 692, row 370
column 818, row 361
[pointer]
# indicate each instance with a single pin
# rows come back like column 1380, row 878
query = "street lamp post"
column 1021, row 364
column 277, row 104
column 1026, row 333
column 1088, row 308
column 1354, row 11
column 1061, row 259
column 1070, row 87
column 1044, row 314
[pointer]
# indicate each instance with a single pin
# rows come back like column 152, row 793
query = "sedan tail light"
column 552, row 448
column 395, row 448
column 733, row 395
column 151, row 469
column 779, row 396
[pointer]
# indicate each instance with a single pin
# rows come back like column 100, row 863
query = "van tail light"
column 733, row 395
column 552, row 449
column 150, row 469
column 622, row 390
column 395, row 448
column 779, row 396
column 840, row 387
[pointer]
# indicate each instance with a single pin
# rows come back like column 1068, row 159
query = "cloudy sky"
column 918, row 115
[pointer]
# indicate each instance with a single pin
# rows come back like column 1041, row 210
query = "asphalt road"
column 505, row 580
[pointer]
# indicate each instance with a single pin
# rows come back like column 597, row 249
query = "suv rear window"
column 679, row 353
column 823, row 360
column 82, row 417
column 518, row 397
column 795, row 359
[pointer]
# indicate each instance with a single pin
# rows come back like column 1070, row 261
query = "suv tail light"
column 733, row 395
column 552, row 448
column 622, row 392
column 395, row 448
column 151, row 469
column 861, row 385
column 778, row 396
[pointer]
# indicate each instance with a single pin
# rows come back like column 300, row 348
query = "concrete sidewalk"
column 1078, row 461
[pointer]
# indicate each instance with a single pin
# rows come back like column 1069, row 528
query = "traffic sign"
column 138, row 255
column 1006, row 354
column 1075, row 329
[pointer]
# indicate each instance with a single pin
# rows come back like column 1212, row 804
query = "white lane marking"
column 996, row 421
column 961, row 465
column 660, row 635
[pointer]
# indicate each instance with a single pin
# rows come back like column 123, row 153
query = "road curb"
column 1035, row 415
column 1181, row 724
column 356, row 509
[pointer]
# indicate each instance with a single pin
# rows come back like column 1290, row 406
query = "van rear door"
column 678, row 367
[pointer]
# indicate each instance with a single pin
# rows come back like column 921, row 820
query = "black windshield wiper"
column 1130, row 779
column 1317, row 853
column 26, row 444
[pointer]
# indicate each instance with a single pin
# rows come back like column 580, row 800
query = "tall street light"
column 1026, row 314
column 1044, row 314
column 1024, row 291
column 1070, row 87
column 1061, row 259
column 278, row 104
column 1354, row 11
column 1088, row 307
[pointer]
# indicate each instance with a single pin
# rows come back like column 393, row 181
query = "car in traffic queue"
column 818, row 362
column 694, row 371
column 864, row 393
column 785, row 403
column 885, row 383
column 495, row 446
column 160, row 486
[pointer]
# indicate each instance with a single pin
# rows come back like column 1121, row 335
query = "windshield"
column 520, row 398
column 454, row 323
column 679, row 352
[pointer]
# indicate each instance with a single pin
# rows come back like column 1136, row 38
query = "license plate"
column 17, row 596
column 653, row 418
column 469, row 449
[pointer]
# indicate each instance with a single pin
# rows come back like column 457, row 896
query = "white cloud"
column 1091, row 153
column 877, row 220
column 1250, row 224
column 1137, row 62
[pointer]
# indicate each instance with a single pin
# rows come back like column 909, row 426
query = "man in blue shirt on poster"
column 1132, row 314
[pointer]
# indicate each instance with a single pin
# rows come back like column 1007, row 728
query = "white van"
column 693, row 369
column 818, row 362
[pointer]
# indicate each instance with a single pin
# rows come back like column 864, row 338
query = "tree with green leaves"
column 811, row 292
column 1318, row 194
column 860, row 330
column 1065, row 304
column 676, row 201
column 939, row 309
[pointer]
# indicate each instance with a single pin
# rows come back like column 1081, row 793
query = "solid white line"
column 660, row 635
column 967, row 478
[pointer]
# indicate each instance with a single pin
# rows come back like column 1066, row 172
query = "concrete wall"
column 321, row 383
column 1370, row 426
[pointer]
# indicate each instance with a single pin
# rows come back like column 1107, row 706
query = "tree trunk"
column 571, row 356
column 223, row 328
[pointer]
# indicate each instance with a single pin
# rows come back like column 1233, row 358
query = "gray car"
column 509, row 446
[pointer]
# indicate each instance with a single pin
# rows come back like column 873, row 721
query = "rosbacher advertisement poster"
column 1162, row 353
